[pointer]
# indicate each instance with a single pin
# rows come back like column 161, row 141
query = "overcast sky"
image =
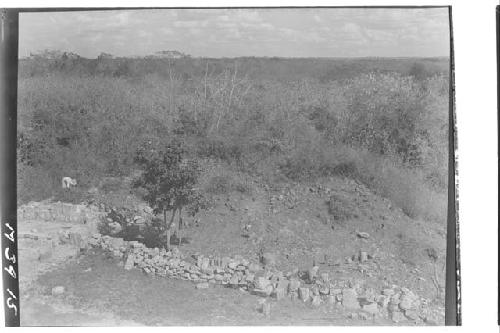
column 333, row 32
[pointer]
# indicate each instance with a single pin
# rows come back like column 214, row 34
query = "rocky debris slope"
column 314, row 287
column 340, row 241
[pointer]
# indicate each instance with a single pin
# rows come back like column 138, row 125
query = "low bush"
column 340, row 209
column 220, row 149
column 405, row 187
column 225, row 182
column 34, row 184
column 218, row 185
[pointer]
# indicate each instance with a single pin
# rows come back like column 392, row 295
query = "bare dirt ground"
column 408, row 252
column 294, row 222
column 107, row 288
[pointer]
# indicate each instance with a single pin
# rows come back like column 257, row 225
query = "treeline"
column 281, row 69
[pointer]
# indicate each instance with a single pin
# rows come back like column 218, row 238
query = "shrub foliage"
column 169, row 182
column 275, row 118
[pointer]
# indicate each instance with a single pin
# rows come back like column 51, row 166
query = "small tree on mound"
column 169, row 182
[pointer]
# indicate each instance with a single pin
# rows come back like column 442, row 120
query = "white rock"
column 269, row 259
column 261, row 282
column 316, row 301
column 388, row 292
column 59, row 290
column 280, row 293
column 304, row 294
column 294, row 285
column 350, row 299
column 363, row 234
column 313, row 272
column 129, row 264
column 371, row 308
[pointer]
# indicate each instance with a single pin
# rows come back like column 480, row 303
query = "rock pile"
column 119, row 220
column 362, row 256
column 313, row 287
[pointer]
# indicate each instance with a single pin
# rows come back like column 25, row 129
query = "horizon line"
column 25, row 57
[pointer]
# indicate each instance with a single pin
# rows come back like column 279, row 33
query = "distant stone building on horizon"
column 169, row 54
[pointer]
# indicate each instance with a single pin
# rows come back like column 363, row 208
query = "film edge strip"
column 453, row 286
column 8, row 203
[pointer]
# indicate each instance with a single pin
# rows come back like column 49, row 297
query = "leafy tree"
column 169, row 182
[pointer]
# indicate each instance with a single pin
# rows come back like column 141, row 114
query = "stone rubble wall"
column 49, row 233
column 316, row 288
column 61, row 212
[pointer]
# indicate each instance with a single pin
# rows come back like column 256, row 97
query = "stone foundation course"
column 48, row 211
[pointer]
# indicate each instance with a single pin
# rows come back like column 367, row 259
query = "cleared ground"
column 297, row 223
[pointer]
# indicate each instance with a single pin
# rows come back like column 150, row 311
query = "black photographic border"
column 8, row 173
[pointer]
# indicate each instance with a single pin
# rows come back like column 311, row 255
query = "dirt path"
column 47, row 311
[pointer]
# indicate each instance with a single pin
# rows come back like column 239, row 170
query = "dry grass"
column 406, row 188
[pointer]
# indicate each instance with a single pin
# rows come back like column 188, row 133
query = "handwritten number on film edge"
column 12, row 300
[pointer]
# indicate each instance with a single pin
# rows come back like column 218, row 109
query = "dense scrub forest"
column 380, row 121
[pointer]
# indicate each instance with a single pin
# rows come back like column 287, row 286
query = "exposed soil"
column 299, row 233
column 143, row 300
column 296, row 223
